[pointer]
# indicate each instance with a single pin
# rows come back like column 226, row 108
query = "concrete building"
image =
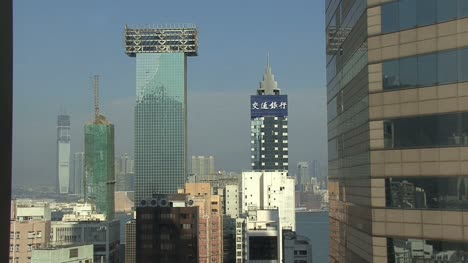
column 270, row 190
column 202, row 166
column 63, row 154
column 231, row 200
column 297, row 249
column 397, row 98
column 29, row 229
column 258, row 237
column 84, row 226
column 130, row 242
column 78, row 173
column 161, row 106
column 269, row 126
column 210, row 221
column 65, row 254
column 167, row 230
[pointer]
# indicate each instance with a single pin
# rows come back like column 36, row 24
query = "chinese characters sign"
column 268, row 105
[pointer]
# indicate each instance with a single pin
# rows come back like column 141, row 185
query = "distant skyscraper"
column 78, row 173
column 303, row 175
column 202, row 166
column 124, row 164
column 63, row 154
column 269, row 126
column 99, row 161
column 160, row 111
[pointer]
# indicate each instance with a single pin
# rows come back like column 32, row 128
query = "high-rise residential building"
column 63, row 154
column 130, row 242
column 397, row 94
column 303, row 175
column 99, row 161
column 210, row 221
column 167, row 230
column 30, row 229
column 124, row 164
column 269, row 126
column 161, row 106
column 202, row 166
column 231, row 200
column 270, row 190
column 78, row 173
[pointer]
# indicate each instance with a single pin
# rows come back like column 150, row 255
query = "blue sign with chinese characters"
column 268, row 105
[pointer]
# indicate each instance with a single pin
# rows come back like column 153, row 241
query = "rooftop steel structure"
column 179, row 38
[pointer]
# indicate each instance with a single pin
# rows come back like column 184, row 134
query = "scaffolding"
column 180, row 38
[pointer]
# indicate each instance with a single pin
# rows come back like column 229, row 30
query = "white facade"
column 270, row 190
column 74, row 254
column 231, row 199
column 63, row 167
column 36, row 212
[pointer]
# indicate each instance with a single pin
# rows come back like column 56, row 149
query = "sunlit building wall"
column 397, row 97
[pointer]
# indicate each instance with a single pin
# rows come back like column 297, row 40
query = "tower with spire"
column 269, row 125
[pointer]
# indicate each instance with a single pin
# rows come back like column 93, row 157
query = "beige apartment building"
column 210, row 221
column 29, row 231
column 397, row 95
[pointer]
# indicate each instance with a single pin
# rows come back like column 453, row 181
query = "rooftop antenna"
column 96, row 97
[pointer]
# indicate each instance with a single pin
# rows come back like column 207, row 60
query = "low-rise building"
column 64, row 254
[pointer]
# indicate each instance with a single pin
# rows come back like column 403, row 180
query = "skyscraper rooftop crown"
column 268, row 86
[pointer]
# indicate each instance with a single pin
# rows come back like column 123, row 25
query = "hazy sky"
column 59, row 45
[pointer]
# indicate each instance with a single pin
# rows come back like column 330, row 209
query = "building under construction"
column 99, row 160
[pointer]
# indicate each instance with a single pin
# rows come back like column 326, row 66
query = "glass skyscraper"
column 397, row 94
column 161, row 107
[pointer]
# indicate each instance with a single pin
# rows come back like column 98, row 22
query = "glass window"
column 463, row 65
column 391, row 79
column 390, row 18
column 446, row 10
column 442, row 193
column 426, row 14
column 427, row 131
column 407, row 12
column 427, row 70
column 447, row 67
column 418, row 250
column 462, row 8
column 408, row 72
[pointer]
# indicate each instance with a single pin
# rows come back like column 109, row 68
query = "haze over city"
column 59, row 48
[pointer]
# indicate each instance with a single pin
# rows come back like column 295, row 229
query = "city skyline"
column 205, row 93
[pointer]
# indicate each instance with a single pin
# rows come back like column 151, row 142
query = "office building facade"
column 167, row 230
column 161, row 106
column 269, row 126
column 60, row 254
column 270, row 190
column 202, row 166
column 78, row 173
column 63, row 154
column 397, row 98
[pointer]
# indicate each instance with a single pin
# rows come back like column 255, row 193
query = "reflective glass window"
column 390, row 21
column 463, row 8
column 407, row 14
column 447, row 67
column 462, row 65
column 426, row 12
column 446, row 10
column 427, row 70
column 408, row 72
column 427, row 131
column 391, row 75
column 425, row 251
column 441, row 193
